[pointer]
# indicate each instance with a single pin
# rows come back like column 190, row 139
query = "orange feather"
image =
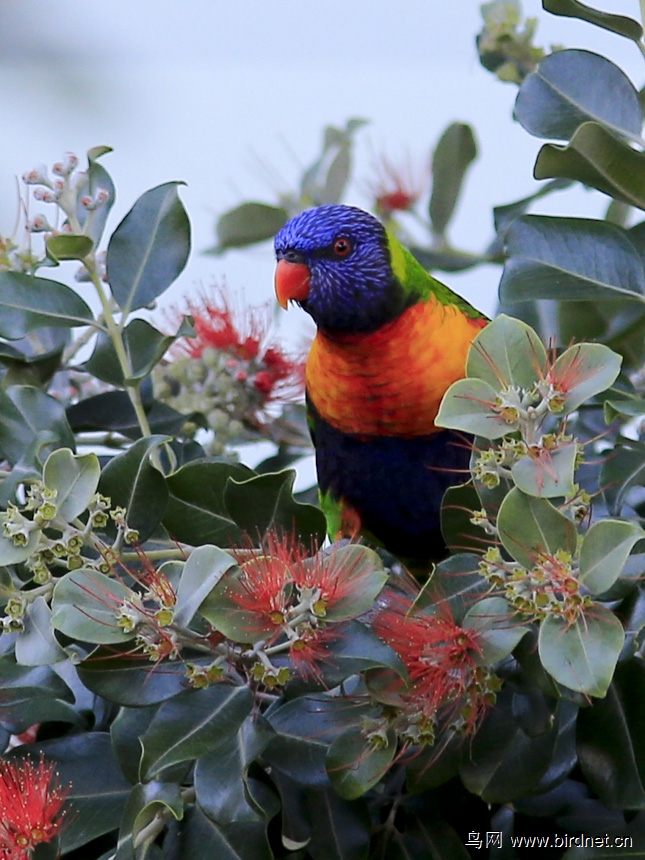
column 391, row 382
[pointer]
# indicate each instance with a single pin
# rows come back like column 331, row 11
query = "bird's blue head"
column 334, row 261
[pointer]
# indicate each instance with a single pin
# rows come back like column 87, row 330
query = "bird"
column 390, row 340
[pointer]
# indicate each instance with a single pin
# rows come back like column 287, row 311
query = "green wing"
column 416, row 281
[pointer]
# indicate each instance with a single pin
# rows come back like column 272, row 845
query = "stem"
column 116, row 336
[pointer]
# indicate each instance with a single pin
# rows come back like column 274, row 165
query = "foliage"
column 187, row 669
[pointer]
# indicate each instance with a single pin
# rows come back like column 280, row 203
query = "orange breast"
column 390, row 383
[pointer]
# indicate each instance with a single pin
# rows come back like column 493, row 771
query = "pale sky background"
column 205, row 90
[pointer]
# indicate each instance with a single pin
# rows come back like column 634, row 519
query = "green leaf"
column 459, row 532
column 85, row 606
column 495, row 624
column 75, row 478
column 33, row 695
column 503, row 216
column 196, row 512
column 130, row 682
column 37, row 369
column 624, row 469
column 145, row 803
column 604, row 551
column 547, row 473
column 113, row 411
column 192, row 725
column 631, row 408
column 447, row 259
column 355, row 765
column 325, row 180
column 248, row 224
column 452, row 156
column 570, row 259
column 557, row 98
column 97, row 794
column 468, row 405
column 531, row 527
column 37, row 646
column 200, row 837
column 66, row 246
column 457, row 582
column 615, row 23
column 340, row 830
column 144, row 345
column 202, row 571
column 582, row 656
column 149, row 248
column 28, row 303
column 20, row 682
column 32, row 422
column 610, row 740
column 132, row 482
column 505, row 353
column 266, row 502
column 504, row 763
column 596, row 157
column 125, row 731
column 221, row 777
column 305, row 728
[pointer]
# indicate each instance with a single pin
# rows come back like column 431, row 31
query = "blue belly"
column 396, row 485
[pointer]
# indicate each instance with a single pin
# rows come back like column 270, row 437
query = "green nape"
column 416, row 281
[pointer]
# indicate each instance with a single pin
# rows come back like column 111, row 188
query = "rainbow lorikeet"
column 390, row 341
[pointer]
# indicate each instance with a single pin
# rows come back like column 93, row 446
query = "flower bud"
column 44, row 195
column 37, row 176
column 68, row 164
column 39, row 224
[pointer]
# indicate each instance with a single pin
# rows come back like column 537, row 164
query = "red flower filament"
column 440, row 657
column 254, row 360
column 31, row 807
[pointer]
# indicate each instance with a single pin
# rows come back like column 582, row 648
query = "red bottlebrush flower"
column 341, row 583
column 31, row 806
column 440, row 657
column 262, row 586
column 270, row 371
column 309, row 650
column 395, row 189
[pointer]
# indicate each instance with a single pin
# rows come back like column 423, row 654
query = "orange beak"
column 291, row 282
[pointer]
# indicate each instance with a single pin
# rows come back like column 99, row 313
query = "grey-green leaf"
column 74, row 477
column 530, row 527
column 599, row 158
column 604, row 551
column 203, row 570
column 569, row 259
column 85, row 606
column 452, row 156
column 571, row 87
column 582, row 655
column 619, row 24
column 249, row 223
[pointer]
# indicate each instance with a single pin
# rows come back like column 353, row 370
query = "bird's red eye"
column 342, row 247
